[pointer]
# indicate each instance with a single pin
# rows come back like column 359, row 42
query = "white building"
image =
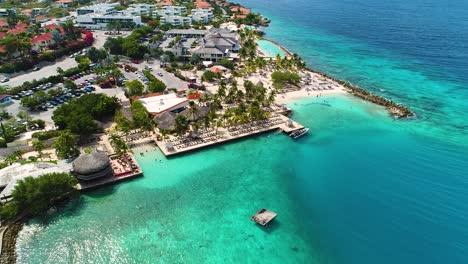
column 99, row 15
column 4, row 12
column 175, row 20
column 201, row 15
column 171, row 11
column 159, row 104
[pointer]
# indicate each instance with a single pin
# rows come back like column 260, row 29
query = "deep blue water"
column 389, row 197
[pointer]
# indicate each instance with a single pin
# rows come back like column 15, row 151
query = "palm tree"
column 219, row 124
column 119, row 145
column 181, row 124
column 193, row 110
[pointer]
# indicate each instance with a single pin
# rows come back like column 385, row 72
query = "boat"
column 299, row 133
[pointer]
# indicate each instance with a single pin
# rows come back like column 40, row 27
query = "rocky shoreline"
column 9, row 243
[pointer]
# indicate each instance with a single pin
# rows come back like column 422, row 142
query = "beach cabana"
column 201, row 112
column 91, row 166
column 165, row 121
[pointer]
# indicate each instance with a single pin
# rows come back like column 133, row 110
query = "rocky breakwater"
column 9, row 243
column 394, row 109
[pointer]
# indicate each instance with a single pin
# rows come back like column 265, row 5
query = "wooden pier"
column 263, row 217
column 282, row 123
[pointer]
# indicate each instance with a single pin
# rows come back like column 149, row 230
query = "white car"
column 6, row 79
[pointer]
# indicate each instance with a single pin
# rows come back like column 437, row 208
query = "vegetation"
column 65, row 145
column 155, row 85
column 282, row 78
column 35, row 195
column 140, row 117
column 78, row 116
column 135, row 88
column 130, row 46
column 118, row 144
column 210, row 76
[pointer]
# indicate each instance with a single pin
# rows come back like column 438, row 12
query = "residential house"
column 43, row 41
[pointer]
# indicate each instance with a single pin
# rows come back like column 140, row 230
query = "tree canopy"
column 65, row 145
column 78, row 116
column 35, row 195
column 135, row 88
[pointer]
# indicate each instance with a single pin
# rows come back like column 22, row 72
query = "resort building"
column 11, row 175
column 4, row 12
column 186, row 33
column 158, row 104
column 218, row 44
column 201, row 15
column 176, row 21
column 99, row 15
column 92, row 166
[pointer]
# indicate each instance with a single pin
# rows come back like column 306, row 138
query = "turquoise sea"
column 360, row 188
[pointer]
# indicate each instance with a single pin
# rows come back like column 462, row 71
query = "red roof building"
column 21, row 27
column 165, row 3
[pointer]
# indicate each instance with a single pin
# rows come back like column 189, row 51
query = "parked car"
column 5, row 79
column 198, row 86
column 105, row 84
column 16, row 97
column 36, row 68
column 160, row 74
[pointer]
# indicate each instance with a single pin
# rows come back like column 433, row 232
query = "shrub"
column 46, row 134
column 282, row 78
column 155, row 85
column 47, row 56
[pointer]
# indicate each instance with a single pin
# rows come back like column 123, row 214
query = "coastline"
column 394, row 109
column 8, row 248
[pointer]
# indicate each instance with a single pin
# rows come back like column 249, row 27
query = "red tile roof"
column 202, row 4
column 64, row 1
column 165, row 3
column 18, row 28
column 54, row 26
column 43, row 37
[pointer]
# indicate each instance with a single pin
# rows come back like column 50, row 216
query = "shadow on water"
column 100, row 192
column 271, row 227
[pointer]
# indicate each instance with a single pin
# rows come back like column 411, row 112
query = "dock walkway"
column 174, row 147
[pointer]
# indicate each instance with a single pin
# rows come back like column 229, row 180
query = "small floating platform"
column 263, row 217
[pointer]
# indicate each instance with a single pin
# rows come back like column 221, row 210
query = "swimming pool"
column 269, row 48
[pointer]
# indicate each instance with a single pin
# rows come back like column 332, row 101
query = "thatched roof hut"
column 90, row 166
column 202, row 111
column 165, row 121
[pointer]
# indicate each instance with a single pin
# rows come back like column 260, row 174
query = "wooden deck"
column 224, row 136
column 263, row 217
column 83, row 186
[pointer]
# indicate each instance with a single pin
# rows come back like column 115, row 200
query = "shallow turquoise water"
column 269, row 48
column 361, row 188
